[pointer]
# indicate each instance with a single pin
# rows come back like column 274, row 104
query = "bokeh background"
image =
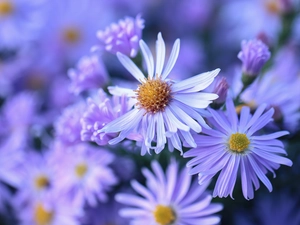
column 41, row 40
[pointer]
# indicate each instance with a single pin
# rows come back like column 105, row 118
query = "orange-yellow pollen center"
column 154, row 95
column 71, row 35
column 238, row 142
column 42, row 216
column 163, row 215
column 273, row 6
column 6, row 8
column 81, row 169
column 41, row 182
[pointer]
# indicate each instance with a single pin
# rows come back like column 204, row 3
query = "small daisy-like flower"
column 85, row 175
column 234, row 146
column 36, row 177
column 169, row 198
column 164, row 109
column 51, row 209
column 122, row 37
column 100, row 111
column 20, row 21
column 89, row 74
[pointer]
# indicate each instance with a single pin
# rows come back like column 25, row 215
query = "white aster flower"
column 164, row 109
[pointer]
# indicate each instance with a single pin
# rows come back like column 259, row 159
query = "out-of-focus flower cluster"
column 149, row 112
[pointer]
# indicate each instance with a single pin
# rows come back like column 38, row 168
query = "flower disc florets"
column 154, row 95
column 238, row 142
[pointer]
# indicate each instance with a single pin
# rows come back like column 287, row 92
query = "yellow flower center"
column 154, row 95
column 71, row 35
column 6, row 8
column 42, row 216
column 273, row 6
column 81, row 169
column 163, row 215
column 238, row 142
column 41, row 182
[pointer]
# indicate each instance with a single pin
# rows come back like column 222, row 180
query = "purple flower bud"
column 254, row 55
column 90, row 73
column 221, row 88
column 123, row 37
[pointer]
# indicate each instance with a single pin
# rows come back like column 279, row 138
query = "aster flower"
column 20, row 21
column 70, row 33
column 178, row 200
column 100, row 111
column 164, row 109
column 85, row 175
column 67, row 126
column 234, row 146
column 51, row 209
column 122, row 37
column 277, row 93
column 254, row 55
column 90, row 73
column 36, row 177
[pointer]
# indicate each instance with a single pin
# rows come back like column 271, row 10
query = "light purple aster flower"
column 52, row 209
column 100, row 111
column 89, row 74
column 254, row 55
column 85, row 175
column 277, row 93
column 122, row 37
column 234, row 147
column 20, row 21
column 169, row 198
column 36, row 177
column 68, row 126
column 164, row 109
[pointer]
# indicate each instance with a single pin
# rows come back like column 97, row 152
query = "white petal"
column 148, row 58
column 118, row 91
column 172, row 59
column 131, row 67
column 195, row 81
column 160, row 54
column 196, row 100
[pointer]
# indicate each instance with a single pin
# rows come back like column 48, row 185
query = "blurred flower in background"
column 75, row 126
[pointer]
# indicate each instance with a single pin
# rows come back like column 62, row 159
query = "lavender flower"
column 233, row 145
column 254, row 55
column 164, row 109
column 36, row 177
column 85, row 175
column 20, row 21
column 90, row 73
column 122, row 37
column 51, row 209
column 277, row 93
column 101, row 111
column 169, row 198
